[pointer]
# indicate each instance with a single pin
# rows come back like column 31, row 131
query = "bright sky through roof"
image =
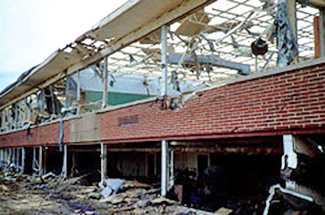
column 31, row 30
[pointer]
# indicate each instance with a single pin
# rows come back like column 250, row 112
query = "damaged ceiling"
column 212, row 43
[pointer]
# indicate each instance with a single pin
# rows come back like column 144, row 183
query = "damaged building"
column 218, row 104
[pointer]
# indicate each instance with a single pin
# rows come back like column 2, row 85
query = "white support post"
column 10, row 156
column 104, row 104
column 78, row 92
column 30, row 109
column 1, row 155
column 289, row 158
column 16, row 115
column 163, row 61
column 40, row 160
column 25, row 111
column 10, row 120
column 13, row 157
column 164, row 159
column 19, row 114
column 22, row 160
column 65, row 161
column 103, row 162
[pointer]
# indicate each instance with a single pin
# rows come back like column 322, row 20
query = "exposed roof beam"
column 180, row 9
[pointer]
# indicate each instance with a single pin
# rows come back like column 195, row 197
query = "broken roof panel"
column 130, row 38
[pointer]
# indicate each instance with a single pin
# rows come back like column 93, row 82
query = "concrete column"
column 164, row 159
column 103, row 162
column 1, row 155
column 65, row 161
column 9, row 155
column 78, row 92
column 104, row 104
column 22, row 160
column 163, row 89
column 40, row 160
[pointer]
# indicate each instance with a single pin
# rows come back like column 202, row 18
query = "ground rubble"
column 51, row 194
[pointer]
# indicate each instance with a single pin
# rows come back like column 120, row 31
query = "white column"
column 164, row 158
column 9, row 156
column 16, row 115
column 25, row 111
column 289, row 158
column 22, row 160
column 163, row 61
column 65, row 161
column 13, row 157
column 40, row 160
column 1, row 155
column 78, row 92
column 104, row 104
column 103, row 161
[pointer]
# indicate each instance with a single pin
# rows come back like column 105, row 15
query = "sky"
column 31, row 30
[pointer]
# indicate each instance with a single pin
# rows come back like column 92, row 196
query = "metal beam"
column 104, row 103
column 164, row 77
column 243, row 69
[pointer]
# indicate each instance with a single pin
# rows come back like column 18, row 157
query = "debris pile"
column 51, row 194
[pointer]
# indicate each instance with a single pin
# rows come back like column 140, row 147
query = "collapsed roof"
column 207, row 41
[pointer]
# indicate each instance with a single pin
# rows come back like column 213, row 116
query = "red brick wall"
column 286, row 102
column 42, row 135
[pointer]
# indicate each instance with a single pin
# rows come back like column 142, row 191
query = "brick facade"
column 292, row 101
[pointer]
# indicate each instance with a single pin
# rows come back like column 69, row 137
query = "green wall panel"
column 113, row 98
